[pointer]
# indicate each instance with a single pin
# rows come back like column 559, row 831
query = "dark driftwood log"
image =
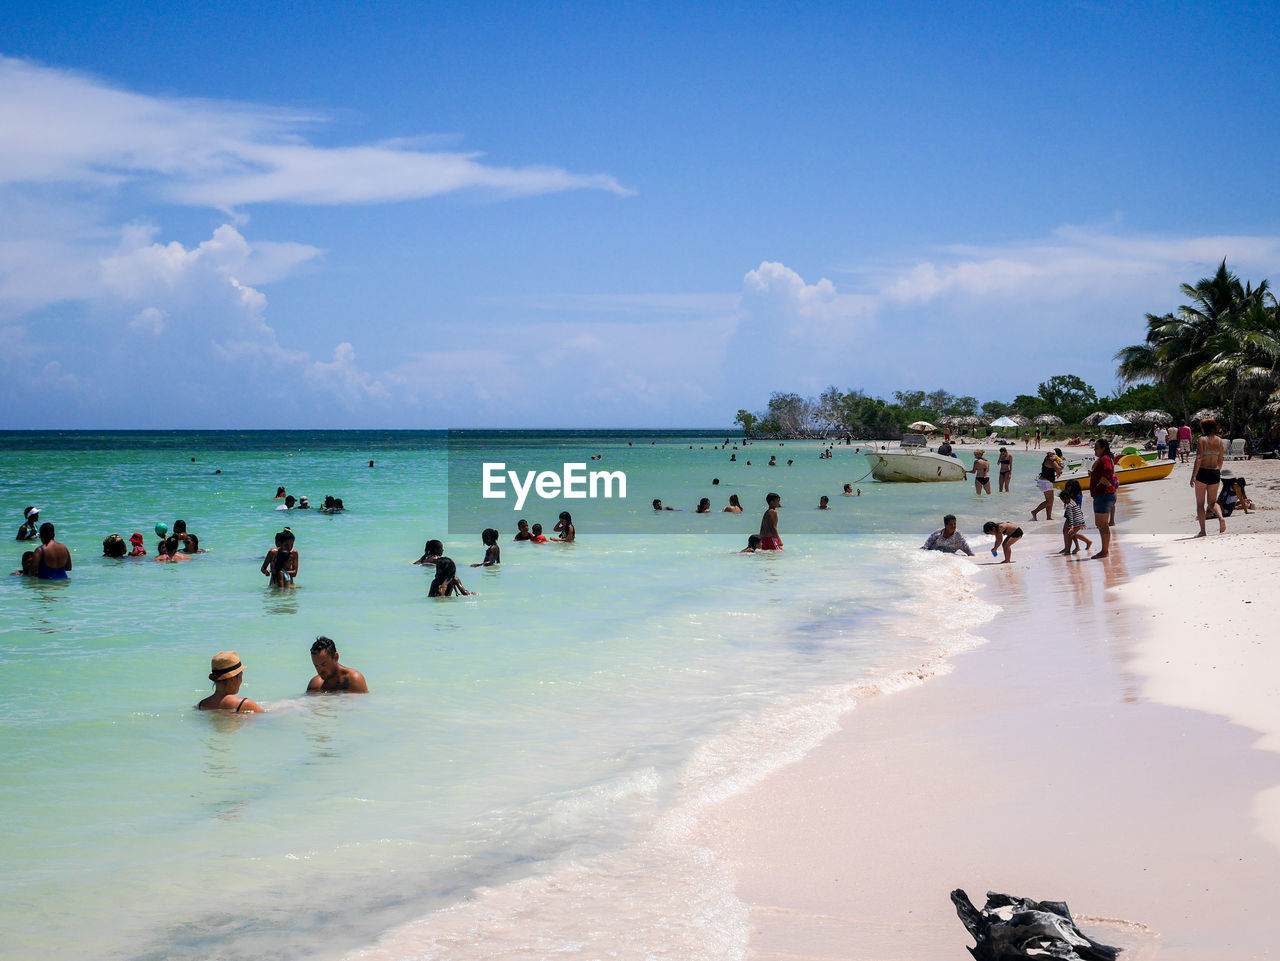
column 1015, row 929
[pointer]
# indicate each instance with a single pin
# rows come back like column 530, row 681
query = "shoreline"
column 1076, row 756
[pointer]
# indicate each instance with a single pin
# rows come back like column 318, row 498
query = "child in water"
column 538, row 537
column 138, row 549
column 492, row 553
column 753, row 545
column 431, row 552
column 446, row 582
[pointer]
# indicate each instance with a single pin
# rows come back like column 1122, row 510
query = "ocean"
column 524, row 777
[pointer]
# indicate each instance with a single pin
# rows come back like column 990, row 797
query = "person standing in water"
column 492, row 552
column 769, row 539
column 330, row 675
column 564, row 526
column 1005, row 460
column 52, row 559
column 227, row 675
column 281, row 562
column 981, row 472
column 30, row 529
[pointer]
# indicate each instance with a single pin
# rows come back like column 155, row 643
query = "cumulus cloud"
column 59, row 126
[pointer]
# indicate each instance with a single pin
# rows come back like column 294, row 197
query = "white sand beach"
column 1114, row 745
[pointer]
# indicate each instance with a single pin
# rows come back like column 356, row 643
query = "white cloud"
column 149, row 319
column 62, row 127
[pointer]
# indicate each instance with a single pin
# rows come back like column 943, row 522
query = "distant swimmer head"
column 113, row 546
column 434, row 548
column 135, row 538
column 31, row 513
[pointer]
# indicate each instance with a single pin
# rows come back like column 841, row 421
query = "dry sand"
column 1113, row 746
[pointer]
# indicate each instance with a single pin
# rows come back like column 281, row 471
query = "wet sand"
column 1103, row 749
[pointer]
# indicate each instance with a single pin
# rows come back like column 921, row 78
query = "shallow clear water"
column 556, row 716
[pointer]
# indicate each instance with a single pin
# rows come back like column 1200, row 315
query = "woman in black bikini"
column 227, row 676
column 1206, row 474
column 1005, row 461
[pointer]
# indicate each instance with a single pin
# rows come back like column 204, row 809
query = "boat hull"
column 1129, row 475
column 913, row 467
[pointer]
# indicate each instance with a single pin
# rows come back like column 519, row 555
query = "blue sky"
column 410, row 215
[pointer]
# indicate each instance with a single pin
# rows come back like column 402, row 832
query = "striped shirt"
column 1075, row 516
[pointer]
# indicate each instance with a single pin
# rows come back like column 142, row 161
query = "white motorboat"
column 913, row 465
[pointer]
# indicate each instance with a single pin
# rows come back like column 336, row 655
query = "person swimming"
column 52, row 559
column 522, row 531
column 537, row 536
column 735, row 507
column 565, row 528
column 227, row 675
column 704, row 506
column 446, row 583
column 753, row 545
column 281, row 562
column 492, row 553
column 431, row 552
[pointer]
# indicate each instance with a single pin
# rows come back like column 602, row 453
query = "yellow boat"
column 1130, row 469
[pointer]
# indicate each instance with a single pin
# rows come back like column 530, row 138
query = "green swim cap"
column 161, row 530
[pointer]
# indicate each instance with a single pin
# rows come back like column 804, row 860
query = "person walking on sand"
column 1184, row 443
column 1206, row 474
column 52, row 559
column 1102, row 490
column 227, row 675
column 332, row 677
column 981, row 472
column 1038, row 436
column 1050, row 468
column 769, row 539
column 1073, row 527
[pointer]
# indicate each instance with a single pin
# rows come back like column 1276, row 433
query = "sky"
column 417, row 215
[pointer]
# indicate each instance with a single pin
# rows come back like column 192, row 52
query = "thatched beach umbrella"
column 1049, row 420
column 1022, row 419
column 1133, row 416
column 1207, row 412
column 1093, row 419
column 1157, row 417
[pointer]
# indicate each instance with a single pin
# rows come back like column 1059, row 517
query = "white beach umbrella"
column 922, row 425
column 1005, row 422
column 1111, row 420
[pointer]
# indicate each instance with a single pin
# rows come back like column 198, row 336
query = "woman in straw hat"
column 227, row 676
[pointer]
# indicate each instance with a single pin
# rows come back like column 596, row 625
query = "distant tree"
column 1068, row 396
column 793, row 413
column 996, row 409
column 910, row 399
column 965, row 406
column 748, row 421
column 1029, row 405
column 939, row 400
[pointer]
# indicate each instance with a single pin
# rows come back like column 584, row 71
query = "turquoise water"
column 549, row 719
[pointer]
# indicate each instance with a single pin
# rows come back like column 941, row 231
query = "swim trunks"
column 770, row 544
column 1209, row 476
column 1184, row 445
column 1017, row 532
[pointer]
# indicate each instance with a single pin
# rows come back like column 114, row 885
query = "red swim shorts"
column 770, row 544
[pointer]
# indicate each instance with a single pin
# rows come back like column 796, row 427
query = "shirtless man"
column 769, row 539
column 52, row 559
column 981, row 472
column 330, row 675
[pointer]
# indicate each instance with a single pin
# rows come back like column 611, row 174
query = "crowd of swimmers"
column 330, row 505
column 446, row 583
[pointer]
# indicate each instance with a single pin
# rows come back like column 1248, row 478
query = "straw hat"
column 226, row 664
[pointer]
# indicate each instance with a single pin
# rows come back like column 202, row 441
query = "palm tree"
column 1245, row 364
column 1189, row 352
